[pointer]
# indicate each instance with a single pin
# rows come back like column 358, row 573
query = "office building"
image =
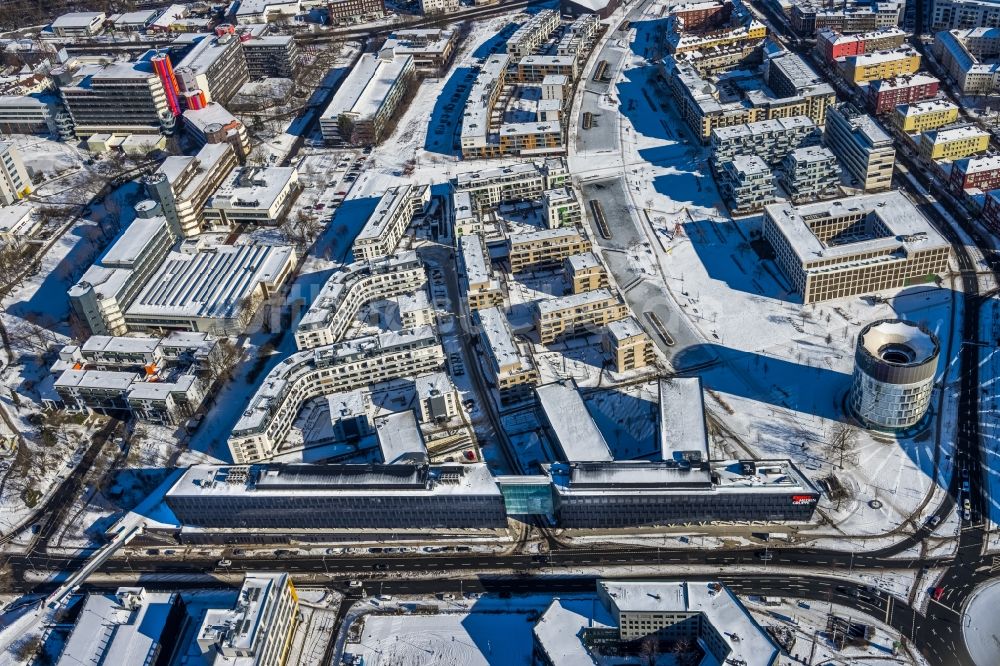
column 214, row 124
column 866, row 67
column 535, row 249
column 15, row 183
column 532, row 33
column 252, row 12
column 961, row 14
column 111, row 284
column 576, row 314
column 746, row 183
column 513, row 370
column 136, row 21
column 253, row 195
column 628, row 345
column 314, row 497
column 561, row 208
column 971, row 57
column 34, row 114
column 354, row 11
column 118, row 628
column 338, row 303
column 585, row 272
column 923, row 116
column 18, row 223
column 343, row 366
column 183, row 184
column 810, row 173
column 624, row 615
column 833, row 45
column 884, row 95
column 428, row 7
column 862, row 146
column 770, row 140
column 524, row 181
column 432, row 49
column 387, row 225
column 271, row 57
column 79, row 24
column 975, row 173
column 895, row 363
column 567, row 424
column 857, row 245
column 257, row 630
column 953, row 143
column 216, row 290
column 119, row 97
column 364, row 105
column 482, row 288
column 214, row 69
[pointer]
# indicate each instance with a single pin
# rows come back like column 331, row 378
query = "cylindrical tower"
column 894, row 366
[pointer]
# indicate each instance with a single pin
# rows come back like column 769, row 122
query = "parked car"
column 937, row 593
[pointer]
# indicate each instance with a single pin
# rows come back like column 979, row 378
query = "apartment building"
column 437, row 397
column 962, row 14
column 866, row 67
column 884, row 95
column 810, row 173
column 628, row 345
column 79, row 24
column 833, row 45
column 923, row 116
column 279, row 498
column 746, row 183
column 862, row 146
column 253, row 195
column 387, row 225
column 258, row 628
column 851, row 17
column 477, row 138
column 770, row 140
column 343, row 366
column 15, row 183
column 354, row 11
column 428, row 7
column 858, row 245
column 364, row 105
column 338, row 303
column 744, row 36
column 432, row 49
column 971, row 57
column 465, row 219
column 214, row 124
column 214, row 69
column 112, row 283
column 576, row 314
column 524, row 181
column 532, row 33
column 119, row 97
column 183, row 184
column 271, row 56
column 953, row 143
column 534, row 68
column 18, row 223
column 561, row 208
column 585, row 272
column 547, row 247
column 512, row 370
column 482, row 288
column 216, row 289
column 991, row 210
column 975, row 173
column 578, row 36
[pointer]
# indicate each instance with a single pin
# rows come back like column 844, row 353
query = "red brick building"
column 832, row 45
column 886, row 94
column 991, row 211
column 982, row 173
column 700, row 16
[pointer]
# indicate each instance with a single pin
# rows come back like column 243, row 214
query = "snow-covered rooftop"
column 365, row 89
column 573, row 429
column 400, row 439
column 683, row 434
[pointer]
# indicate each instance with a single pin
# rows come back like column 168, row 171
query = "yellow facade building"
column 880, row 65
column 924, row 116
column 953, row 144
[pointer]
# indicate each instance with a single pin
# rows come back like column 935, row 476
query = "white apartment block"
column 18, row 223
column 513, row 371
column 15, row 184
column 746, row 183
column 438, row 6
column 489, row 188
column 532, row 33
column 770, row 140
column 862, row 146
column 253, row 195
column 251, row 12
column 344, row 366
column 962, row 14
column 385, row 228
column 971, row 58
column 465, row 220
column 482, row 288
column 182, row 185
column 337, row 305
column 810, row 173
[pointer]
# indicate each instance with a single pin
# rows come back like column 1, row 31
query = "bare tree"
column 301, row 229
column 842, row 444
column 224, row 361
column 649, row 650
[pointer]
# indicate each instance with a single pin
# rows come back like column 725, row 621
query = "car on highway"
column 381, row 566
column 764, row 555
column 966, row 509
column 933, row 521
column 224, row 563
column 354, row 584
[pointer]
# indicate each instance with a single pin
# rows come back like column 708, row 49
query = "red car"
column 937, row 593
